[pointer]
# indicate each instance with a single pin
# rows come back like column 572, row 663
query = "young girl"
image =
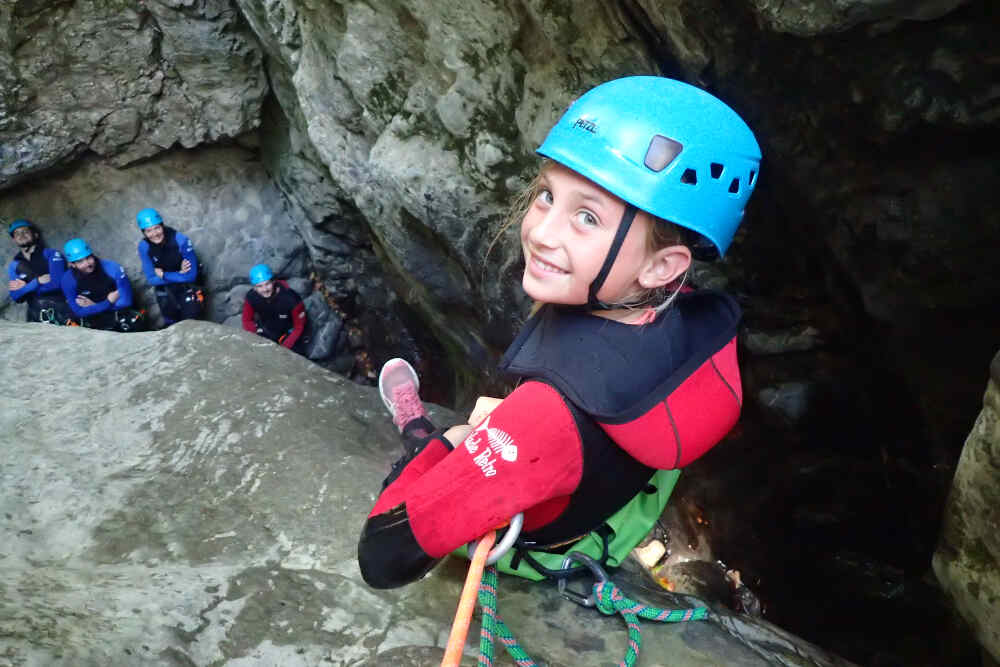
column 625, row 371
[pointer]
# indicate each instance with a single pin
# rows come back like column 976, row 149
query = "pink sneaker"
column 399, row 386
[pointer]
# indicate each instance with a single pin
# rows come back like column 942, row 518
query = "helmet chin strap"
column 626, row 222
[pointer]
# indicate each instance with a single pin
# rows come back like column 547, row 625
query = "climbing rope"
column 493, row 625
column 467, row 602
column 481, row 555
column 605, row 596
column 610, row 601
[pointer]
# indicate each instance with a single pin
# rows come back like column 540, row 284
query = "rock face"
column 120, row 79
column 201, row 506
column 967, row 561
column 427, row 137
column 399, row 132
column 399, row 135
column 219, row 197
column 808, row 17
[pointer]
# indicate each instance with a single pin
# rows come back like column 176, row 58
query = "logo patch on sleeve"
column 498, row 443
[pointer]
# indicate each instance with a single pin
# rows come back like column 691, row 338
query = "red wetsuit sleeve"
column 528, row 451
column 395, row 493
column 298, row 325
column 248, row 322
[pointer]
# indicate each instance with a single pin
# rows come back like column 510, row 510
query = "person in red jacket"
column 624, row 370
column 275, row 311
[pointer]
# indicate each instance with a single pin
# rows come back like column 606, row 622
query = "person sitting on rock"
column 625, row 373
column 34, row 275
column 171, row 267
column 98, row 291
column 274, row 310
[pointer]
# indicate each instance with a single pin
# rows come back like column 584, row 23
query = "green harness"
column 628, row 527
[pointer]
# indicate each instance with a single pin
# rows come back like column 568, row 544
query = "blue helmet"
column 260, row 273
column 666, row 148
column 17, row 224
column 76, row 249
column 148, row 217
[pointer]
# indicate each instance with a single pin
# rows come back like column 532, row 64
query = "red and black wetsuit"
column 603, row 404
column 282, row 318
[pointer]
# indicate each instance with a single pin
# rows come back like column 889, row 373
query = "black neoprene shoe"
column 417, row 434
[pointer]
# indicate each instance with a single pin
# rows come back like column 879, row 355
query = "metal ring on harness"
column 504, row 545
column 599, row 576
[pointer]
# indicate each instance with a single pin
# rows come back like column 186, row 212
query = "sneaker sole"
column 392, row 370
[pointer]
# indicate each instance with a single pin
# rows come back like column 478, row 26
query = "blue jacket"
column 57, row 266
column 186, row 249
column 116, row 273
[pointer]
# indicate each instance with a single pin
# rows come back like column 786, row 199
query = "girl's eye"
column 587, row 219
column 545, row 196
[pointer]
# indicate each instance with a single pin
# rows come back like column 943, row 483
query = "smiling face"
column 24, row 237
column 566, row 235
column 154, row 234
column 85, row 265
column 265, row 289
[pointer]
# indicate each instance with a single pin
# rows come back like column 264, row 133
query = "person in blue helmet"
column 34, row 275
column 275, row 311
column 626, row 372
column 98, row 291
column 171, row 267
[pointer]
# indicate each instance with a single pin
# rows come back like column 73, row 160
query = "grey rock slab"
column 193, row 496
column 967, row 560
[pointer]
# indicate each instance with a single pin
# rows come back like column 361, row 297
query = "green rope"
column 609, row 600
column 493, row 625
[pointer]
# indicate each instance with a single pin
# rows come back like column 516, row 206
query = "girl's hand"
column 484, row 406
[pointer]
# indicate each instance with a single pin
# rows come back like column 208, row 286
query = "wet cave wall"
column 371, row 151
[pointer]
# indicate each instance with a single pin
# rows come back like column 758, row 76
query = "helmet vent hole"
column 661, row 152
column 689, row 177
column 716, row 170
column 734, row 187
column 753, row 176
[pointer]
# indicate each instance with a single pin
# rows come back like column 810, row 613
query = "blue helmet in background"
column 76, row 249
column 148, row 217
column 665, row 147
column 17, row 224
column 260, row 273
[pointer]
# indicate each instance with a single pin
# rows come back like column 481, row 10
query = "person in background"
column 171, row 267
column 98, row 291
column 275, row 311
column 34, row 275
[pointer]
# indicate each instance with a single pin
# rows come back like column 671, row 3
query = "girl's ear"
column 664, row 266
